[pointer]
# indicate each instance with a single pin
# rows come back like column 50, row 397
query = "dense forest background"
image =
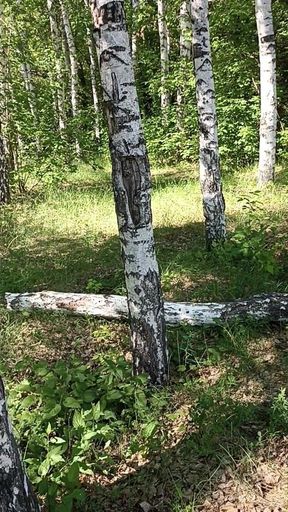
column 38, row 147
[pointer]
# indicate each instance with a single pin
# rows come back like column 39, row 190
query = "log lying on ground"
column 15, row 491
column 272, row 307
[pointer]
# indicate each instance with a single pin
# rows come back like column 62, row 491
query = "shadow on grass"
column 218, row 443
column 188, row 271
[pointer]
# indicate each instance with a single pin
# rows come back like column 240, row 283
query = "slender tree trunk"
column 132, row 190
column 210, row 178
column 15, row 491
column 164, row 52
column 56, row 40
column 93, row 84
column 90, row 45
column 135, row 5
column 268, row 123
column 27, row 76
column 185, row 50
column 73, row 68
column 4, row 174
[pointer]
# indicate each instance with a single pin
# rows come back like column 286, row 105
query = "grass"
column 217, row 434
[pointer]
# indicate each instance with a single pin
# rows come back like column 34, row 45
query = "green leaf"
column 96, row 411
column 71, row 403
column 78, row 420
column 89, row 395
column 53, row 412
column 28, row 401
column 149, row 429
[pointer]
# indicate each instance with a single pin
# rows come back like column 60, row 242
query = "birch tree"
column 210, row 178
column 73, row 67
column 132, row 186
column 56, row 40
column 268, row 122
column 185, row 49
column 4, row 174
column 92, row 66
column 135, row 6
column 164, row 52
column 15, row 491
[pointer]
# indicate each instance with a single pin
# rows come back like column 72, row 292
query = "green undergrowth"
column 94, row 437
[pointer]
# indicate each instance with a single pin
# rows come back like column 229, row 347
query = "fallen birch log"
column 273, row 307
column 15, row 491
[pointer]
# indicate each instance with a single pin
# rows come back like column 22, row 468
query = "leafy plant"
column 279, row 413
column 67, row 415
column 250, row 241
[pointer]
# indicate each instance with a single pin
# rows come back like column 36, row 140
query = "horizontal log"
column 272, row 307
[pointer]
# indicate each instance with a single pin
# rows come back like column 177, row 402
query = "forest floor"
column 216, row 438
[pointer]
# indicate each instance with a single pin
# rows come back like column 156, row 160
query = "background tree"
column 210, row 178
column 268, row 123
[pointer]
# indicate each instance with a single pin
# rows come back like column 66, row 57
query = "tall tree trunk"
column 4, row 174
column 132, row 190
column 73, row 68
column 135, row 5
column 56, row 40
column 15, row 491
column 268, row 123
column 164, row 52
column 27, row 76
column 185, row 50
column 29, row 86
column 92, row 65
column 210, row 178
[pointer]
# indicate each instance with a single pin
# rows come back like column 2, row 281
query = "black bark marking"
column 268, row 39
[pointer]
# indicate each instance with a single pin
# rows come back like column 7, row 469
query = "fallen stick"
column 272, row 307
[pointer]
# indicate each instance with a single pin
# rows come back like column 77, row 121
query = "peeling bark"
column 268, row 122
column 15, row 491
column 271, row 307
column 210, row 177
column 132, row 189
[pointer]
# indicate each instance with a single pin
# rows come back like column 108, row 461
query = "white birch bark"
column 15, row 491
column 56, row 40
column 92, row 66
column 185, row 49
column 73, row 68
column 185, row 41
column 4, row 174
column 135, row 5
column 273, row 307
column 268, row 122
column 210, row 178
column 132, row 189
column 164, row 52
column 27, row 76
